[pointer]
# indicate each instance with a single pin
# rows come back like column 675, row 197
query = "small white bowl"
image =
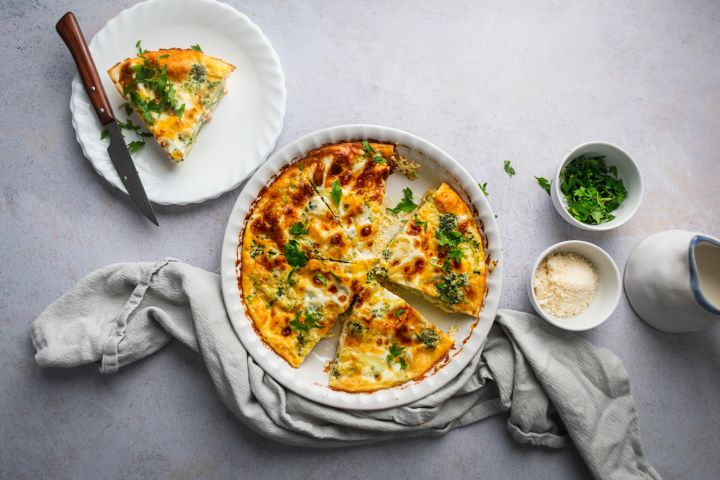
column 628, row 171
column 606, row 298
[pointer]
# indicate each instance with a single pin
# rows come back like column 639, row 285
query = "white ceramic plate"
column 245, row 126
column 311, row 379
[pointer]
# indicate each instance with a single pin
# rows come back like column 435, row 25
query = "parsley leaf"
column 295, row 257
column 298, row 229
column 379, row 159
column 400, row 312
column 508, row 168
column 483, row 188
column 396, row 353
column 320, row 278
column 127, row 107
column 336, row 192
column 421, row 223
column 140, row 50
column 135, row 146
column 405, row 205
column 544, row 183
column 367, row 147
column 196, row 47
column 591, row 189
column 312, row 317
column 104, row 134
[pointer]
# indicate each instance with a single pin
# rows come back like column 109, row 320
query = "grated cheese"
column 565, row 284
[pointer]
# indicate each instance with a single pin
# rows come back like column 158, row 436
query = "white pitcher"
column 672, row 280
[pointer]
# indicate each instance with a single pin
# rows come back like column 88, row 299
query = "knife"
column 69, row 30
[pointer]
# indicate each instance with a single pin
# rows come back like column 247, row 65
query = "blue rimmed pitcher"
column 672, row 280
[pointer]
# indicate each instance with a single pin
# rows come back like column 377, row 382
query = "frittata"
column 173, row 91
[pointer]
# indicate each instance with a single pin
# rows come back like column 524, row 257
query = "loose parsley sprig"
column 483, row 188
column 370, row 151
column 405, row 205
column 508, row 168
column 544, row 184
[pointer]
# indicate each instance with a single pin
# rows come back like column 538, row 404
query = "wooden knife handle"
column 69, row 30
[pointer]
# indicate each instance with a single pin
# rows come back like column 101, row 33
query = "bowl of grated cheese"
column 575, row 285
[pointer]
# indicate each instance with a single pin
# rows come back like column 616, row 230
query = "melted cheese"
column 199, row 94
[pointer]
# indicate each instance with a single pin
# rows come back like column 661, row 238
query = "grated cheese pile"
column 565, row 284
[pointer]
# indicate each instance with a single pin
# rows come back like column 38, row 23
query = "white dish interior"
column 311, row 378
column 244, row 127
column 628, row 172
column 605, row 300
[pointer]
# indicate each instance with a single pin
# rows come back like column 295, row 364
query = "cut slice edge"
column 385, row 342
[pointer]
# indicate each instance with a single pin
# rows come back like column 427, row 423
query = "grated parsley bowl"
column 620, row 166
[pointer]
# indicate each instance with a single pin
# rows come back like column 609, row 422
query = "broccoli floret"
column 429, row 337
column 450, row 288
column 355, row 329
column 198, row 73
column 448, row 222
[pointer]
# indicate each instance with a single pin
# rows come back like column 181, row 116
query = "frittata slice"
column 290, row 219
column 385, row 342
column 351, row 177
column 439, row 254
column 293, row 307
column 173, row 91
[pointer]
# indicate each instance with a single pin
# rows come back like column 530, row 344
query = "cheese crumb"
column 565, row 283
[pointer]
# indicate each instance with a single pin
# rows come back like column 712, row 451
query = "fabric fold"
column 558, row 388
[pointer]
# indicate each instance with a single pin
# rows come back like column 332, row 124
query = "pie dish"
column 314, row 367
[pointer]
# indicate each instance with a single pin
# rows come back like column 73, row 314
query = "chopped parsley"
column 483, row 188
column 298, row 229
column 312, row 319
column 450, row 288
column 295, row 257
column 544, row 184
column 508, row 168
column 400, row 312
column 127, row 107
column 370, row 151
column 104, row 134
column 421, row 223
column 449, row 240
column 196, row 47
column 336, row 192
column 320, row 278
column 135, row 146
column 591, row 189
column 134, row 127
column 396, row 353
column 429, row 337
column 405, row 205
column 154, row 79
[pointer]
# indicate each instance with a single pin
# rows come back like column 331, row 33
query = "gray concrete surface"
column 486, row 81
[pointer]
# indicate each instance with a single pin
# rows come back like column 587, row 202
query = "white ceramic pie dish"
column 244, row 127
column 311, row 379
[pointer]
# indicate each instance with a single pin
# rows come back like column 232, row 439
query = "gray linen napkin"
column 558, row 388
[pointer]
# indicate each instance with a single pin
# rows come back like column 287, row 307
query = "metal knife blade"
column 69, row 30
column 125, row 167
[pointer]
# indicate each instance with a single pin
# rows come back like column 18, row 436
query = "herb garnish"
column 298, row 229
column 135, row 146
column 544, row 184
column 508, row 168
column 130, row 125
column 449, row 240
column 396, row 353
column 336, row 192
column 104, row 134
column 196, row 47
column 320, row 278
column 127, row 107
column 591, row 189
column 399, row 313
column 405, row 205
column 312, row 317
column 420, row 223
column 483, row 188
column 154, row 79
column 295, row 257
column 369, row 150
